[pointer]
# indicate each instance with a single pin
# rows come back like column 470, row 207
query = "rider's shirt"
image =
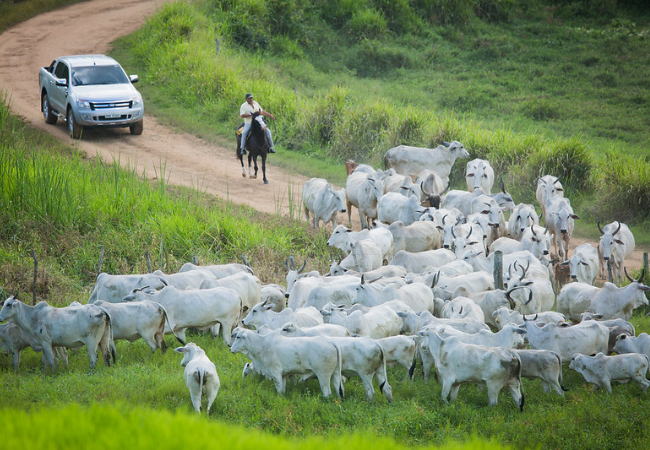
column 249, row 109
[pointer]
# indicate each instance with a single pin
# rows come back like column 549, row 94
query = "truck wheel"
column 136, row 128
column 49, row 115
column 73, row 127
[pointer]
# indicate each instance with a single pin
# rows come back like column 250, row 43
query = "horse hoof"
column 266, row 182
column 254, row 176
column 243, row 175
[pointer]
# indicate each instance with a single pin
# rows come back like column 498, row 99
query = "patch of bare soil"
column 90, row 27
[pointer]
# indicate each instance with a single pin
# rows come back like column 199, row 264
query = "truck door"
column 59, row 94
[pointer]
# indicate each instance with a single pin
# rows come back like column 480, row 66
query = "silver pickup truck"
column 90, row 91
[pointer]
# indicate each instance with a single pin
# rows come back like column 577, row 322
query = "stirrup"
column 243, row 151
column 271, row 150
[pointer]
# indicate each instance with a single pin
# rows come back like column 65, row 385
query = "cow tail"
column 201, row 377
column 107, row 339
column 339, row 365
column 162, row 308
column 412, row 368
column 559, row 359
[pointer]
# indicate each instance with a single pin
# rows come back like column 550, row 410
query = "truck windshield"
column 92, row 75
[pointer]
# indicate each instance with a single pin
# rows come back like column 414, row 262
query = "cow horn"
column 292, row 262
column 532, row 229
column 303, row 267
column 446, row 189
column 363, row 281
column 443, row 219
column 452, row 232
column 628, row 277
column 642, row 274
column 436, row 277
column 470, row 233
column 600, row 229
column 510, row 299
column 246, row 263
column 556, row 180
column 618, row 229
column 503, row 187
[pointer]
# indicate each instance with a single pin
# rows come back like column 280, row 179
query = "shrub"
column 568, row 159
column 541, row 109
column 367, row 23
column 373, row 58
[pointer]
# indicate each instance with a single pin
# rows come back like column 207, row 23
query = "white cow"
column 416, row 295
column 200, row 308
column 584, row 265
column 413, row 160
column 544, row 365
column 479, row 174
column 393, row 207
column 376, row 322
column 263, row 314
column 538, row 296
column 432, row 188
column 610, row 300
column 462, row 308
column 247, row 285
column 323, row 201
column 400, row 350
column 186, row 280
column 324, row 329
column 417, row 237
column 200, row 374
column 458, row 363
column 523, row 216
column 616, row 244
column 601, row 370
column 218, row 270
column 534, row 239
column 548, row 187
column 510, row 336
column 631, row 344
column 71, row 327
column 144, row 320
column 588, row 337
column 401, row 184
column 276, row 357
column 503, row 316
column 363, row 191
column 560, row 223
column 111, row 288
column 420, row 261
column 365, row 255
column 342, row 238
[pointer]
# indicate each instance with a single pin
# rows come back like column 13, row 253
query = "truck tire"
column 73, row 127
column 49, row 115
column 136, row 128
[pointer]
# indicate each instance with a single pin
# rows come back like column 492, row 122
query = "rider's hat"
column 249, row 95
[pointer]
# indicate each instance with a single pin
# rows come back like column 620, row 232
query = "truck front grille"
column 110, row 105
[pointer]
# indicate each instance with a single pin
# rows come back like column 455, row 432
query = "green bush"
column 367, row 23
column 374, row 58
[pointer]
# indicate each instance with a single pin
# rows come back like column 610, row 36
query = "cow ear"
column 574, row 216
column 180, row 349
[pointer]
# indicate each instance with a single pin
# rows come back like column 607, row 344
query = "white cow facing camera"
column 200, row 375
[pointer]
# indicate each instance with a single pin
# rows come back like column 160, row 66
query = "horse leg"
column 264, row 169
column 250, row 160
column 243, row 171
column 255, row 163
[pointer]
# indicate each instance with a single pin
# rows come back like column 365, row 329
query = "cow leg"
column 454, row 392
column 325, row 385
column 15, row 360
column 427, row 363
column 446, row 389
column 366, row 380
column 48, row 354
column 384, row 387
column 348, row 207
column 493, row 392
column 195, row 392
column 62, row 353
column 211, row 388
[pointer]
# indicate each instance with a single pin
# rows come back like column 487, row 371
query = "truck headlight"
column 83, row 104
column 137, row 101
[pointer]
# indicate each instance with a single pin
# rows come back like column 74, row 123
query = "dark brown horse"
column 258, row 145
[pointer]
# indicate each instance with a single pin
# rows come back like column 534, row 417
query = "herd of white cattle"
column 416, row 285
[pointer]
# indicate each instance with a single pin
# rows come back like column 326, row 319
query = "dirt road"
column 90, row 27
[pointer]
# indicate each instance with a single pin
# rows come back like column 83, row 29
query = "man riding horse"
column 246, row 111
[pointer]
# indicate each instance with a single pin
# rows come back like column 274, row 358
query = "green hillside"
column 534, row 87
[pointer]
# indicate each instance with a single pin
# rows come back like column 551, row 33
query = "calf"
column 601, row 370
column 543, row 364
column 323, row 201
column 631, row 344
column 14, row 340
column 200, row 374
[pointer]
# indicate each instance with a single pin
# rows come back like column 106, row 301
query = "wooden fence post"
column 35, row 276
column 148, row 258
column 498, row 270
